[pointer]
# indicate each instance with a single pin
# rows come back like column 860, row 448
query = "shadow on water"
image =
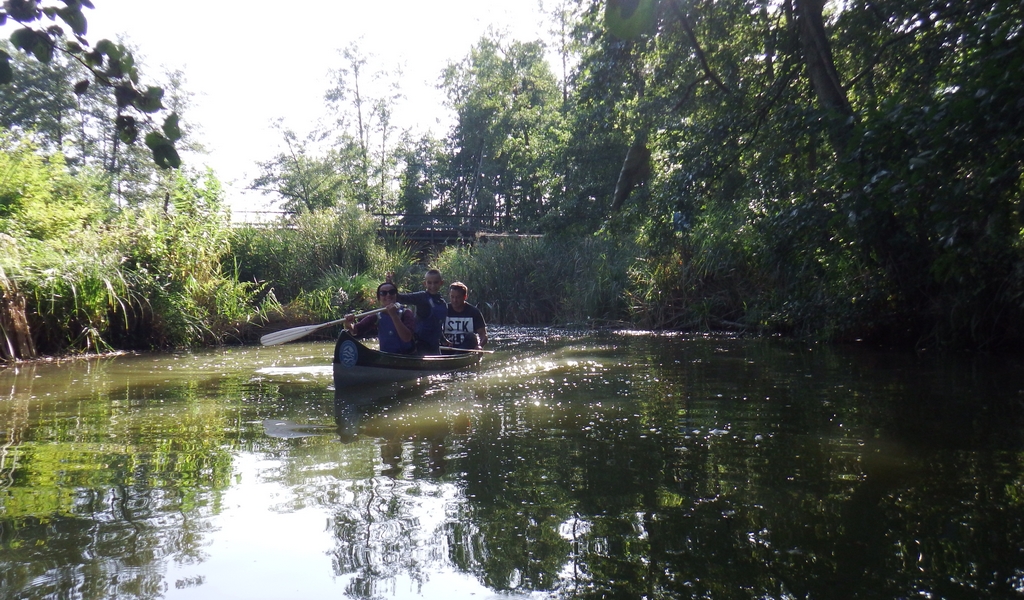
column 402, row 416
column 352, row 406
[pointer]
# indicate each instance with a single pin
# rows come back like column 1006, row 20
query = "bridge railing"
column 256, row 217
column 402, row 221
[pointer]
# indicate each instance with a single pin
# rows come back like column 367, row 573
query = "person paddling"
column 431, row 311
column 394, row 326
column 465, row 326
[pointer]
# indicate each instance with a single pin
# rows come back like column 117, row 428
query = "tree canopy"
column 503, row 146
column 863, row 156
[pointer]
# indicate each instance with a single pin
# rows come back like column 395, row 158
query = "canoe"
column 355, row 364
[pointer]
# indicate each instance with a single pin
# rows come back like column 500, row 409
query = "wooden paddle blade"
column 288, row 335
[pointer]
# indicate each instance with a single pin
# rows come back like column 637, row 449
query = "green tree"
column 364, row 111
column 508, row 130
column 307, row 182
column 42, row 99
column 938, row 147
column 80, row 123
column 850, row 170
column 421, row 162
column 602, row 109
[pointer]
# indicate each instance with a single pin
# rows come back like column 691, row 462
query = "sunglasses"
column 387, row 293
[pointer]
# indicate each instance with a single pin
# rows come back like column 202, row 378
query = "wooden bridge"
column 424, row 231
column 434, row 231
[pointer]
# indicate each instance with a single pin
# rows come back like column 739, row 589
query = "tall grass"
column 75, row 297
column 335, row 294
column 50, row 220
column 292, row 257
column 176, row 261
column 321, row 264
column 698, row 281
column 694, row 280
column 544, row 280
column 143, row 277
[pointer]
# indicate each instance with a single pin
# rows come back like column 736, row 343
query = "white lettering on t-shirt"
column 459, row 325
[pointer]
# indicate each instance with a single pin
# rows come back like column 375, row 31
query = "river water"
column 615, row 464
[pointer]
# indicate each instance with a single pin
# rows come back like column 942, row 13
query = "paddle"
column 287, row 335
column 468, row 350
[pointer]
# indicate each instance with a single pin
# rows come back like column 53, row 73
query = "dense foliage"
column 89, row 277
column 897, row 217
column 834, row 170
column 504, row 145
column 545, row 280
column 886, row 207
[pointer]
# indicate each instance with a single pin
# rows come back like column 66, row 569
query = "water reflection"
column 569, row 465
column 387, row 531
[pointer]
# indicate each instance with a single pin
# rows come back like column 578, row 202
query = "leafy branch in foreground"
column 111, row 64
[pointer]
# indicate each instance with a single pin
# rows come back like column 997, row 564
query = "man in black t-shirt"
column 464, row 327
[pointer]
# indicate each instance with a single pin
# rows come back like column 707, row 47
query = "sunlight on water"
column 297, row 374
column 567, row 464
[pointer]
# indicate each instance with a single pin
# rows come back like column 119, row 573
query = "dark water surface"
column 566, row 465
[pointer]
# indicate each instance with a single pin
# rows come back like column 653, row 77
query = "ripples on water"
column 567, row 464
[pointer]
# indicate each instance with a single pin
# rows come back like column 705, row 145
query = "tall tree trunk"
column 635, row 169
column 821, row 70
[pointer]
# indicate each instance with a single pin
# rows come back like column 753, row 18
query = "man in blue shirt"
column 431, row 311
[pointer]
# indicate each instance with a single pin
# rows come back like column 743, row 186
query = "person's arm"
column 363, row 326
column 409, row 320
column 403, row 328
column 418, row 299
column 480, row 327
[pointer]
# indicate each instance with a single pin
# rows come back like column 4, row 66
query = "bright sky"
column 250, row 63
